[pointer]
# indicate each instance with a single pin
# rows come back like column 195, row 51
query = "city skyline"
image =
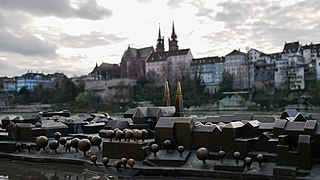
column 71, row 36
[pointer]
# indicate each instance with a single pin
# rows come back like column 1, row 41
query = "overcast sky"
column 71, row 36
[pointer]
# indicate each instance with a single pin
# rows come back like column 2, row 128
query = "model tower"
column 166, row 97
column 179, row 101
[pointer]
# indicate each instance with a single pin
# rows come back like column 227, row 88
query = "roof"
column 236, row 52
column 291, row 47
column 208, row 60
column 163, row 56
column 168, row 122
column 141, row 53
column 276, row 55
column 236, row 124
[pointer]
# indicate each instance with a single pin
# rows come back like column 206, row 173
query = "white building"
column 210, row 70
column 169, row 65
column 289, row 69
column 237, row 64
column 30, row 80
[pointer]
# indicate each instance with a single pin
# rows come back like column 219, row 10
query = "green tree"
column 226, row 84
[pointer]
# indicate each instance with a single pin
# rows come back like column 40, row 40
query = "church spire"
column 173, row 42
column 160, row 42
column 173, row 34
column 159, row 36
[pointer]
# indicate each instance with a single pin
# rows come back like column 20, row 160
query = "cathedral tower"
column 160, row 42
column 173, row 42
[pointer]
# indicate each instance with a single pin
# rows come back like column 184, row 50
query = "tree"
column 226, row 84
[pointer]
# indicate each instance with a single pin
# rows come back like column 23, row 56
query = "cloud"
column 86, row 9
column 174, row 3
column 93, row 39
column 203, row 10
column 144, row 1
column 265, row 25
column 25, row 44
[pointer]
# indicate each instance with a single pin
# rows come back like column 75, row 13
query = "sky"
column 72, row 36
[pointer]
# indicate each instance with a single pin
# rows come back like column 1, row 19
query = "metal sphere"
column 144, row 134
column 105, row 161
column 180, row 149
column 117, row 164
column 74, row 143
column 137, row 134
column 93, row 159
column 124, row 161
column 154, row 148
column 128, row 134
column 57, row 136
column 62, row 141
column 259, row 157
column 53, row 145
column 202, row 154
column 84, row 145
column 119, row 135
column 131, row 162
column 110, row 134
column 167, row 144
column 221, row 154
column 42, row 142
column 96, row 141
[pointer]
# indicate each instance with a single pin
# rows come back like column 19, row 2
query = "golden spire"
column 166, row 97
column 178, row 89
column 179, row 101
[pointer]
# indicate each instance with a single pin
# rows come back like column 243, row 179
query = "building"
column 264, row 74
column 169, row 65
column 133, row 62
column 237, row 64
column 30, row 80
column 210, row 70
column 114, row 90
column 289, row 69
column 9, row 84
column 105, row 71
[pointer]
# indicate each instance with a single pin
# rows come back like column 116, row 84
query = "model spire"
column 166, row 97
column 179, row 101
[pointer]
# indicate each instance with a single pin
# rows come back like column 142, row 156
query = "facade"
column 210, row 70
column 133, row 62
column 115, row 90
column 9, row 84
column 289, row 69
column 105, row 71
column 264, row 74
column 237, row 64
column 169, row 65
column 30, row 80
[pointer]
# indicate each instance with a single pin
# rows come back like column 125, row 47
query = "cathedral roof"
column 163, row 56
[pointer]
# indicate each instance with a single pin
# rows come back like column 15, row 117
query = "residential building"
column 30, row 80
column 169, row 65
column 264, row 74
column 9, row 84
column 289, row 69
column 133, row 62
column 210, row 70
column 237, row 64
